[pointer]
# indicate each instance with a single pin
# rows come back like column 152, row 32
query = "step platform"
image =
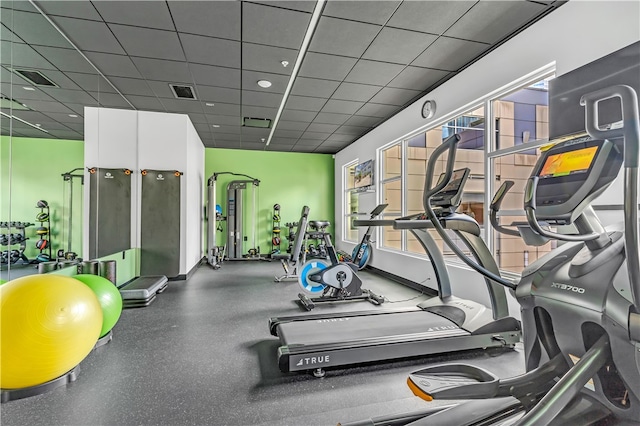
column 141, row 291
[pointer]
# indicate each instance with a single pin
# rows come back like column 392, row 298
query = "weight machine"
column 69, row 177
column 235, row 213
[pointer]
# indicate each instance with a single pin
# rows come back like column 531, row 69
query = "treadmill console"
column 451, row 195
column 571, row 175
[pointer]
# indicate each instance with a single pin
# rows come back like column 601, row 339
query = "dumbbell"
column 15, row 256
column 3, row 224
column 4, row 239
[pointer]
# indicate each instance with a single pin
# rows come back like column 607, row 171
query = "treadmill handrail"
column 455, row 222
column 373, row 222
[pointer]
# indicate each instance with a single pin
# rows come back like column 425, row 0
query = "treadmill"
column 438, row 325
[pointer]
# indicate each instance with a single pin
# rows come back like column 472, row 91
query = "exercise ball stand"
column 104, row 340
column 7, row 395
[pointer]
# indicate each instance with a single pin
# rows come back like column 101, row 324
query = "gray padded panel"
column 109, row 212
column 160, row 223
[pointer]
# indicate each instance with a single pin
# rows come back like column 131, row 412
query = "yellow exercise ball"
column 49, row 323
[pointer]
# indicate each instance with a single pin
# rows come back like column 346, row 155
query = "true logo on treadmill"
column 568, row 287
column 328, row 320
column 313, row 360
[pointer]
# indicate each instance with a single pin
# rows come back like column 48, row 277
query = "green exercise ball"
column 108, row 296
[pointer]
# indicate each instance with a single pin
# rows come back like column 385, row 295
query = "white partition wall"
column 139, row 140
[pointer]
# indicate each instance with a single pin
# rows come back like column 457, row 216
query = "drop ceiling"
column 367, row 61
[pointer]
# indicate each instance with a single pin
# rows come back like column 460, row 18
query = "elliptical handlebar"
column 630, row 129
column 630, row 132
column 495, row 207
column 451, row 145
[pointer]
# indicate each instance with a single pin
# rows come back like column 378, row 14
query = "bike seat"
column 319, row 224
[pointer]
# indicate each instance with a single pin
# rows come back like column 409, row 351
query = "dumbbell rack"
column 10, row 256
column 276, row 239
column 291, row 235
column 46, row 251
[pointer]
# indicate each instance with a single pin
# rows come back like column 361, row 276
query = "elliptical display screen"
column 457, row 179
column 568, row 163
column 451, row 195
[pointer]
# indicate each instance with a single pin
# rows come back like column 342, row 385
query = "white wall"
column 110, row 142
column 195, row 187
column 141, row 140
column 577, row 33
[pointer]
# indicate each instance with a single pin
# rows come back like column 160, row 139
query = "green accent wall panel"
column 30, row 170
column 290, row 179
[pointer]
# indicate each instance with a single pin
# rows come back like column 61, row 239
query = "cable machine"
column 69, row 177
column 235, row 214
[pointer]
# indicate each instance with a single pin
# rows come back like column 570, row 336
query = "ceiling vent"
column 181, row 91
column 35, row 77
column 262, row 123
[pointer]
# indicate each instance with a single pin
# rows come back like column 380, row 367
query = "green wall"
column 287, row 178
column 30, row 170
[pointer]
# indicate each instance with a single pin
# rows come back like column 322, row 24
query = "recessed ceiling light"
column 29, row 88
column 38, row 124
column 215, row 125
column 285, row 63
column 264, row 83
column 209, row 104
column 73, row 116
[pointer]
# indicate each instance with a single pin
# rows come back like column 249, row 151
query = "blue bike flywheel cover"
column 308, row 269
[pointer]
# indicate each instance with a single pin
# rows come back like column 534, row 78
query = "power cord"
column 411, row 298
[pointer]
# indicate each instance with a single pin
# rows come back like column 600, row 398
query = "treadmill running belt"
column 349, row 329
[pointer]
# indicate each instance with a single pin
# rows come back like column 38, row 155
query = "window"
column 500, row 137
column 391, row 187
column 350, row 233
column 521, row 117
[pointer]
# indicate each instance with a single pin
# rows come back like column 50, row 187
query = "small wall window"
column 391, row 187
column 350, row 233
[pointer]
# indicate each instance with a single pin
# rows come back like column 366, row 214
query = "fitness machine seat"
column 141, row 291
column 319, row 224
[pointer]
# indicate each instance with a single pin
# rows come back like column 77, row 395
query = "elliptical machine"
column 580, row 302
column 334, row 281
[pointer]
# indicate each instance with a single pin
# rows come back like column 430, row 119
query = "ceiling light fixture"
column 285, row 63
column 29, row 88
column 35, row 126
column 215, row 125
column 73, row 116
column 313, row 24
column 209, row 104
column 265, row 84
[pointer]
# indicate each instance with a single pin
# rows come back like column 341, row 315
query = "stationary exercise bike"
column 362, row 252
column 332, row 280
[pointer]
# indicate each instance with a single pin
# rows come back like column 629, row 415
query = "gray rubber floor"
column 202, row 354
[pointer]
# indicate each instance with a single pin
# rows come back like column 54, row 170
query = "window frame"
column 489, row 154
column 346, row 195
